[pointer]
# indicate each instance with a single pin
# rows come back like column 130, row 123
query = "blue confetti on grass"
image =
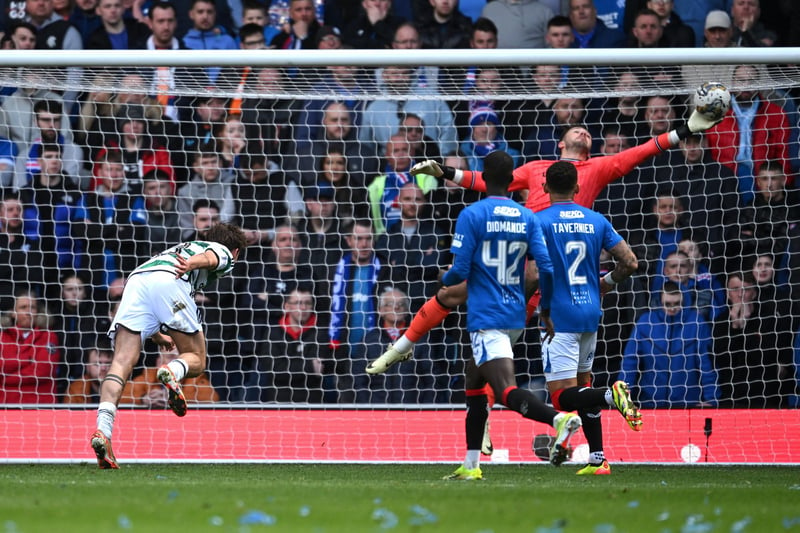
column 421, row 515
column 216, row 521
column 633, row 504
column 741, row 525
column 124, row 522
column 794, row 487
column 387, row 519
column 172, row 496
column 305, row 511
column 10, row 526
column 257, row 518
column 663, row 483
column 790, row 522
column 695, row 524
column 663, row 517
column 161, row 477
column 557, row 527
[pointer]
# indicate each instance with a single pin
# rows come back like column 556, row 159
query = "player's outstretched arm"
column 208, row 260
column 466, row 178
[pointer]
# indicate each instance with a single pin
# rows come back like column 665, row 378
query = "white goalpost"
column 108, row 157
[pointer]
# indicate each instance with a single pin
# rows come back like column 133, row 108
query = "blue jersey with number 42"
column 493, row 237
column 575, row 237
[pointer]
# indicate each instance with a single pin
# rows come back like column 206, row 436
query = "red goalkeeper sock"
column 428, row 317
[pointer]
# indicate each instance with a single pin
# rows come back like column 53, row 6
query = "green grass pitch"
column 331, row 498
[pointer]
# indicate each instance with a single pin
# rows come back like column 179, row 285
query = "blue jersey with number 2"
column 493, row 238
column 575, row 237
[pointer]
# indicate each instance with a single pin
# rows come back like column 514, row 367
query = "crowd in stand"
column 344, row 245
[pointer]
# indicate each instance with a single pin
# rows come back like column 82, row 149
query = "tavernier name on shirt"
column 572, row 227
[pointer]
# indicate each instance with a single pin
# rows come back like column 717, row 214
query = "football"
column 712, row 100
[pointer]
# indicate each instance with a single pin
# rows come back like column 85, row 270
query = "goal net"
column 103, row 166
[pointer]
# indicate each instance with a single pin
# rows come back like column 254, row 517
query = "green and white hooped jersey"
column 167, row 261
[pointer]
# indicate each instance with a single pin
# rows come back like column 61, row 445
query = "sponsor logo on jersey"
column 571, row 214
column 506, row 211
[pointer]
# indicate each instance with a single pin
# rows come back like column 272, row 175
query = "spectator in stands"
column 381, row 117
column 667, row 361
column 701, row 292
column 622, row 112
column 337, row 131
column 97, row 359
column 489, row 84
column 717, row 33
column 658, row 115
column 753, row 131
column 285, row 269
column 545, row 80
column 55, row 216
column 240, row 80
column 231, row 139
column 360, row 276
column 748, row 28
column 302, row 28
column 524, row 23
column 345, row 84
column 373, row 27
column 154, row 217
column 255, row 12
column 764, row 225
column 140, row 151
column 752, row 354
column 590, row 31
column 772, row 293
column 48, row 115
column 482, row 36
column 560, row 36
column 661, row 231
column 295, row 354
column 117, row 32
column 8, row 162
column 74, row 313
column 648, row 32
column 20, row 259
column 620, row 201
column 260, row 193
column 709, row 190
column 445, row 26
column 410, row 383
column 145, row 389
column 422, row 147
column 95, row 124
column 407, row 37
column 165, row 81
column 486, row 136
column 55, row 33
column 544, row 139
column 382, row 193
column 349, row 193
column 85, row 19
column 321, row 232
column 110, row 233
column 708, row 292
column 676, row 33
column 208, row 181
column 270, row 119
column 205, row 34
column 29, row 354
column 411, row 247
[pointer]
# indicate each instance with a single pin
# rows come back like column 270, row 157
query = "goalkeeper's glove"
column 697, row 123
column 432, row 168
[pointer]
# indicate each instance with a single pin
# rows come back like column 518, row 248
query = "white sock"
column 403, row 345
column 106, row 412
column 610, row 398
column 473, row 459
column 179, row 368
column 596, row 458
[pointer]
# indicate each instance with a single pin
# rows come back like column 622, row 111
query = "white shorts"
column 490, row 344
column 568, row 354
column 153, row 300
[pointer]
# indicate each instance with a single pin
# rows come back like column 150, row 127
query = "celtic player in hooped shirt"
column 158, row 303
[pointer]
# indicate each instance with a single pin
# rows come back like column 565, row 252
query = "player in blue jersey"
column 158, row 303
column 493, row 237
column 575, row 238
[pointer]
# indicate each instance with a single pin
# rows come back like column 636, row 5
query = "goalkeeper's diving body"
column 158, row 303
column 594, row 173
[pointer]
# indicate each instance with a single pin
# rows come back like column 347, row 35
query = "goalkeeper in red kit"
column 594, row 173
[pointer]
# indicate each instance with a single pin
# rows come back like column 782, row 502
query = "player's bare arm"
column 208, row 260
column 626, row 265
